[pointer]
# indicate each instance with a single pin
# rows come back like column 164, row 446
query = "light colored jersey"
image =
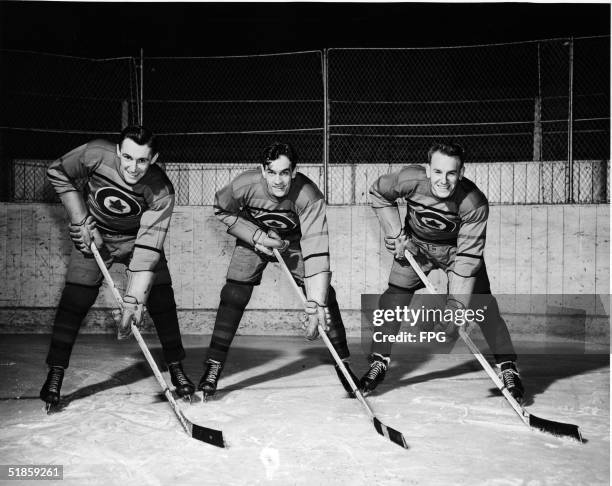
column 143, row 209
column 245, row 205
column 460, row 219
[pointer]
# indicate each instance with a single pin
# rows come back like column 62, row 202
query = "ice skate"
column 208, row 382
column 343, row 379
column 509, row 375
column 50, row 391
column 183, row 385
column 376, row 374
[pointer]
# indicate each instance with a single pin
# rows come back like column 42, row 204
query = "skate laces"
column 178, row 374
column 213, row 370
column 509, row 377
column 55, row 377
column 376, row 367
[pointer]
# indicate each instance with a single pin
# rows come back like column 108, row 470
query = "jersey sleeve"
column 471, row 242
column 227, row 206
column 388, row 188
column 76, row 164
column 385, row 191
column 315, row 238
column 154, row 225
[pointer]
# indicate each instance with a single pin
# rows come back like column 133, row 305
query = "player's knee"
column 236, row 295
column 394, row 296
column 78, row 299
column 161, row 299
column 395, row 289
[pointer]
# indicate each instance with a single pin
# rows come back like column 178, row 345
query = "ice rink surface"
column 287, row 420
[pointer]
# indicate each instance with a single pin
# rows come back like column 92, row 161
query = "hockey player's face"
column 278, row 175
column 134, row 160
column 444, row 173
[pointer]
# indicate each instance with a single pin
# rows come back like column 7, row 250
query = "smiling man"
column 445, row 228
column 125, row 209
column 274, row 207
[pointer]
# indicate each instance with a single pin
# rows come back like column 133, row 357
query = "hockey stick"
column 559, row 429
column 391, row 434
column 204, row 434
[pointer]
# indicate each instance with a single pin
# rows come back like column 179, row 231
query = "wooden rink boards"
column 560, row 249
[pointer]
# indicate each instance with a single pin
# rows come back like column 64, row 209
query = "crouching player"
column 445, row 228
column 274, row 207
column 125, row 209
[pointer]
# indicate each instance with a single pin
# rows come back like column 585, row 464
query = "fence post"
column 125, row 114
column 141, row 113
column 325, row 125
column 7, row 173
column 537, row 130
column 570, row 124
column 537, row 117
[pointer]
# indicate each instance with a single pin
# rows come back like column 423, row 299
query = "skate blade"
column 198, row 397
column 50, row 408
column 185, row 398
column 202, row 397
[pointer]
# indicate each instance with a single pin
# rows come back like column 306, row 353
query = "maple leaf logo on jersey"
column 115, row 202
column 435, row 221
column 276, row 221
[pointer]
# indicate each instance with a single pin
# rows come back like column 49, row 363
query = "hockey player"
column 125, row 208
column 274, row 207
column 445, row 228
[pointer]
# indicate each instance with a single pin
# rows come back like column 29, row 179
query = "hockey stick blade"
column 197, row 432
column 210, row 436
column 559, row 429
column 203, row 434
column 393, row 435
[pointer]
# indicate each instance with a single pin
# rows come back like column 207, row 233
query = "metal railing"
column 533, row 116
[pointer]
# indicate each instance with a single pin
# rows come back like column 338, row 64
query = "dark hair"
column 139, row 135
column 274, row 151
column 451, row 149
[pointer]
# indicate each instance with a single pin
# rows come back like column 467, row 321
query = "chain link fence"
column 217, row 114
column 50, row 104
column 533, row 116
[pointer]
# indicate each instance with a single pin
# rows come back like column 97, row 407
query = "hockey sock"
column 73, row 306
column 234, row 299
column 495, row 332
column 162, row 308
column 337, row 332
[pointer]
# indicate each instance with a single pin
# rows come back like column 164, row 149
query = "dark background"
column 222, row 111
column 199, row 29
